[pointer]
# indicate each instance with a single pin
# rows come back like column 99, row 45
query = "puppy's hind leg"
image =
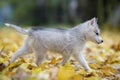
column 22, row 51
column 66, row 58
column 40, row 55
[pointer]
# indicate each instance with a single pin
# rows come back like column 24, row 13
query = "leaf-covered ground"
column 104, row 59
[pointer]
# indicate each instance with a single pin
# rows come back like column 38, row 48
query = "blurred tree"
column 72, row 8
column 5, row 12
column 114, row 18
column 38, row 12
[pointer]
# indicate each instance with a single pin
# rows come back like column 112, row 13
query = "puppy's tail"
column 17, row 28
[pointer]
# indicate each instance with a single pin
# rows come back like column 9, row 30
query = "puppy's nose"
column 101, row 41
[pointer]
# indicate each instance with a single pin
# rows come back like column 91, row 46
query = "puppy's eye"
column 97, row 33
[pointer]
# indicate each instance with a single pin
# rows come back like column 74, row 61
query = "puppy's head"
column 93, row 31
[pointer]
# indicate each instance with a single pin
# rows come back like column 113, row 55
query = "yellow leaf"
column 82, row 71
column 93, row 78
column 65, row 72
column 108, row 71
column 53, row 61
column 12, row 66
column 68, row 66
column 11, row 73
column 43, row 66
column 77, row 77
column 94, row 66
column 36, row 70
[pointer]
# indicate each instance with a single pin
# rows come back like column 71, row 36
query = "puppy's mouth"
column 99, row 42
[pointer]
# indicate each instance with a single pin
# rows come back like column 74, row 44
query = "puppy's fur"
column 65, row 41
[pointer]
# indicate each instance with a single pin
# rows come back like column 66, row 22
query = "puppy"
column 67, row 42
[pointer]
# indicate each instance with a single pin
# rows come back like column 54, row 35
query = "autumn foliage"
column 104, row 59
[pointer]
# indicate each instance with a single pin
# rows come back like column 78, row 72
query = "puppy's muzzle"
column 101, row 41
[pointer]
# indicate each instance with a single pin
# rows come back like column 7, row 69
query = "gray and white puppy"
column 65, row 41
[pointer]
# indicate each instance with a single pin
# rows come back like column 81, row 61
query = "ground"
column 104, row 59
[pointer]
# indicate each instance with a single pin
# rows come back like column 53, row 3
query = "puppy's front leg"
column 65, row 58
column 40, row 55
column 82, row 61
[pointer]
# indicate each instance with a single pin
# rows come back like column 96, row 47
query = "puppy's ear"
column 93, row 21
column 96, row 19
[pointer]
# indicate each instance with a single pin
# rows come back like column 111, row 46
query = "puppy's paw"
column 89, row 70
